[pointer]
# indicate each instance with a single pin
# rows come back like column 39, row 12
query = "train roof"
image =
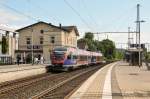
column 77, row 51
column 83, row 52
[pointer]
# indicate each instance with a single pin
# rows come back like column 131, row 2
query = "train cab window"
column 69, row 57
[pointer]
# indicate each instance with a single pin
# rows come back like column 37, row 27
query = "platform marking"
column 83, row 89
column 107, row 91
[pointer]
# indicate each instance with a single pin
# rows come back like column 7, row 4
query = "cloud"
column 10, row 20
column 8, row 17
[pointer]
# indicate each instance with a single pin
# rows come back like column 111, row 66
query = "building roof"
column 70, row 28
column 43, row 23
column 63, row 28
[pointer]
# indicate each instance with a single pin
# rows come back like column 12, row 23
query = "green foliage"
column 119, row 55
column 82, row 40
column 88, row 40
column 91, row 45
column 4, row 45
column 89, row 36
column 107, row 47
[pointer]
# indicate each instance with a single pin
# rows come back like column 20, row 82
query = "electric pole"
column 138, row 32
column 129, row 37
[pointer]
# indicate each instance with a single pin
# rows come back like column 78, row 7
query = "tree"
column 82, row 43
column 89, row 36
column 4, row 45
column 119, row 55
column 88, row 41
column 99, row 46
column 108, row 49
column 91, row 45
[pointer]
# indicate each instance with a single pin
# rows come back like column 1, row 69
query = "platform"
column 116, row 81
column 13, row 72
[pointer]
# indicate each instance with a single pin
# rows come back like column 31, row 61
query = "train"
column 68, row 58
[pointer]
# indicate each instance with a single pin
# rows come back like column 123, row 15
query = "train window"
column 60, row 49
column 75, row 57
column 83, row 58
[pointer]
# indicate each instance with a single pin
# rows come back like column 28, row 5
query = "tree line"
column 106, row 46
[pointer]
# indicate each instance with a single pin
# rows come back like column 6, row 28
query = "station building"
column 44, row 37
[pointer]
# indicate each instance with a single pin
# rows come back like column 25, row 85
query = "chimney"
column 7, row 33
column 60, row 25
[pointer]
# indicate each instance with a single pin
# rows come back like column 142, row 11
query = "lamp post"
column 32, row 46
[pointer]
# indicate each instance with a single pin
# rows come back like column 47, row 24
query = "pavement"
column 13, row 72
column 116, row 81
column 21, row 67
column 134, row 82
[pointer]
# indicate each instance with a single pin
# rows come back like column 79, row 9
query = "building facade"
column 44, row 37
column 9, row 56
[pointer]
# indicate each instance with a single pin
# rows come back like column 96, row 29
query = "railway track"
column 25, row 89
column 62, row 89
column 11, row 83
column 8, row 86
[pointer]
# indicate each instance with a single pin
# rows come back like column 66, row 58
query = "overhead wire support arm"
column 114, row 32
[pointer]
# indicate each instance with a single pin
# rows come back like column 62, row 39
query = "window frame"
column 28, row 40
column 41, row 40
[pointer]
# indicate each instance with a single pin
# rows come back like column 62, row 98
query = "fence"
column 5, row 59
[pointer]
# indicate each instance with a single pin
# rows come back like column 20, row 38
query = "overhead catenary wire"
column 91, row 17
column 89, row 13
column 78, row 14
column 44, row 11
column 20, row 13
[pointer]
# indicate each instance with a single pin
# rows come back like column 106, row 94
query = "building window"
column 52, row 39
column 42, row 31
column 28, row 40
column 41, row 40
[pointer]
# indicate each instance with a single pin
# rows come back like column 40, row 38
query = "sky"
column 88, row 15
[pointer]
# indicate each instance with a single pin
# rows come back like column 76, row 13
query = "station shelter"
column 132, row 56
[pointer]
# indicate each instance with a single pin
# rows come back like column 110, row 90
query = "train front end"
column 58, row 57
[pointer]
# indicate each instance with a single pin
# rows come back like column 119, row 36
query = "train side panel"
column 74, row 58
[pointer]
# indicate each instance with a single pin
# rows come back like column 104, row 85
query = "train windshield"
column 60, row 49
column 58, row 55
